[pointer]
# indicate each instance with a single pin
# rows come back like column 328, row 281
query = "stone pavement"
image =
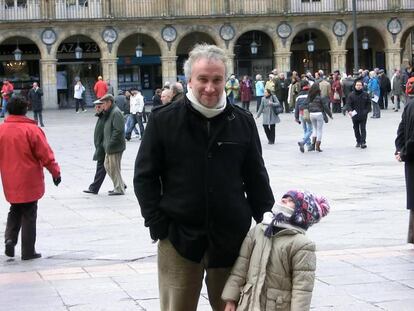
column 97, row 254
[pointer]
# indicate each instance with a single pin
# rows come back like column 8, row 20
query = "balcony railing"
column 69, row 9
column 19, row 10
column 15, row 10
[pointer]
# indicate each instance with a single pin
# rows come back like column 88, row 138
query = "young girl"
column 276, row 266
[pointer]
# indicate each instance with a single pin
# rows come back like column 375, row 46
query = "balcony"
column 74, row 9
column 19, row 10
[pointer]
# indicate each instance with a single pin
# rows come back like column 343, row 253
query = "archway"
column 310, row 52
column 253, row 54
column 407, row 48
column 139, row 64
column 21, row 72
column 78, row 58
column 185, row 46
column 371, row 53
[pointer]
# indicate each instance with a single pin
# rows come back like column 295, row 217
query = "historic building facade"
column 145, row 42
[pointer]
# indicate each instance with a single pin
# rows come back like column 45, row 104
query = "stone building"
column 145, row 42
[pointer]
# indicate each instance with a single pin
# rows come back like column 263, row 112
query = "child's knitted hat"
column 309, row 209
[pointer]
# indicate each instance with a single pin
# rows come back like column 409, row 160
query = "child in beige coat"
column 276, row 266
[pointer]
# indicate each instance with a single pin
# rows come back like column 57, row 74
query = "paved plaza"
column 97, row 254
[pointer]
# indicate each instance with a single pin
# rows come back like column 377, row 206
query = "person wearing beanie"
column 302, row 116
column 276, row 266
column 358, row 106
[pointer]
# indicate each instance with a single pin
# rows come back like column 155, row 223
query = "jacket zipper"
column 219, row 143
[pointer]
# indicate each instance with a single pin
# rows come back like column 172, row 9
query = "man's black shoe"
column 32, row 256
column 90, row 191
column 9, row 251
column 363, row 146
column 357, row 145
column 115, row 193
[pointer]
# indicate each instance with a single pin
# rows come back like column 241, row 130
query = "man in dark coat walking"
column 199, row 179
column 358, row 106
column 35, row 99
column 385, row 88
column 99, row 155
column 404, row 152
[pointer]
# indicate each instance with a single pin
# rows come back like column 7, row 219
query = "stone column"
column 392, row 60
column 282, row 61
column 48, row 83
column 169, row 68
column 338, row 60
column 110, row 71
column 230, row 64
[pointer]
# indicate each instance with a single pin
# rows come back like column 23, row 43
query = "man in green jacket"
column 113, row 143
column 99, row 154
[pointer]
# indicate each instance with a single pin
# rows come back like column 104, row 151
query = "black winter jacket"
column 360, row 102
column 35, row 98
column 199, row 181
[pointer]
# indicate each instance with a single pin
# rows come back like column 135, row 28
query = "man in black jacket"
column 358, row 106
column 199, row 179
column 385, row 88
column 35, row 98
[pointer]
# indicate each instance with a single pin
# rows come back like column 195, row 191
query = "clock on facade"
column 284, row 30
column 394, row 26
column 227, row 32
column 109, row 35
column 169, row 33
column 48, row 36
column 340, row 28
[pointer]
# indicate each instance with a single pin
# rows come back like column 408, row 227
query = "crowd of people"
column 315, row 97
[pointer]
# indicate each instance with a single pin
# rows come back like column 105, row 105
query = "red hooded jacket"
column 24, row 151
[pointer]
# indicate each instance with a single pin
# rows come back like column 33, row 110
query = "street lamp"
column 310, row 44
column 365, row 43
column 253, row 47
column 78, row 51
column 138, row 51
column 355, row 37
column 17, row 53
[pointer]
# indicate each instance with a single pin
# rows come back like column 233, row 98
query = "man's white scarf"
column 207, row 112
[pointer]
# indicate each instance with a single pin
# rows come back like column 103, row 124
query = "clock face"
column 394, row 26
column 284, row 30
column 109, row 35
column 227, row 32
column 49, row 36
column 169, row 34
column 340, row 28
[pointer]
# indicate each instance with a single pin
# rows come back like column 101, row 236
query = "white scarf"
column 287, row 212
column 207, row 112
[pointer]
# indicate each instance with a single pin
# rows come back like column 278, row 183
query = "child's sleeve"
column 237, row 278
column 303, row 277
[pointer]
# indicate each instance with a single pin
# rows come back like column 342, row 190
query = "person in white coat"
column 78, row 95
column 136, row 103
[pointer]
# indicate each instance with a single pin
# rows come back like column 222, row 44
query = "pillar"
column 169, row 68
column 48, row 83
column 338, row 60
column 282, row 61
column 110, row 71
column 230, row 64
column 392, row 60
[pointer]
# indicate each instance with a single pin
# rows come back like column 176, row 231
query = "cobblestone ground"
column 97, row 255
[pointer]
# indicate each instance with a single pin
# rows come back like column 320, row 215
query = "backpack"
column 409, row 87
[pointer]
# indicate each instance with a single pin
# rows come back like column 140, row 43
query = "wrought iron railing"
column 15, row 10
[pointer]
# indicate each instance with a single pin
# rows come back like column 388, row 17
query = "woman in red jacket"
column 246, row 91
column 24, row 151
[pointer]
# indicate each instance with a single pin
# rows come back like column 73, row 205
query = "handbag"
column 336, row 96
column 278, row 107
